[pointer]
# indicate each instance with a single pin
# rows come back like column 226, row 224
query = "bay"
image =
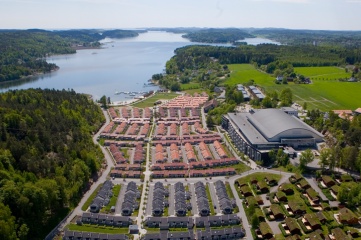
column 121, row 65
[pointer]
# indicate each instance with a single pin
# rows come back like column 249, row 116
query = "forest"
column 47, row 158
column 217, row 35
column 349, row 39
column 23, row 52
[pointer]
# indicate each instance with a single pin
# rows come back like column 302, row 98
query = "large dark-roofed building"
column 258, row 131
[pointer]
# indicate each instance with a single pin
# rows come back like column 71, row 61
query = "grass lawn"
column 211, row 207
column 90, row 199
column 113, row 199
column 188, row 86
column 325, row 92
column 149, row 102
column 97, row 229
column 259, row 177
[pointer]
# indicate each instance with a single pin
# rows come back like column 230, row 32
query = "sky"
column 292, row 14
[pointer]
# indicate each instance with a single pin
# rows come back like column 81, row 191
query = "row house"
column 205, row 151
column 120, row 128
column 76, row 235
column 170, row 174
column 125, row 113
column 174, row 153
column 138, row 154
column 136, row 113
column 108, row 128
column 125, row 174
column 145, row 129
column 148, row 113
column 130, row 202
column 105, row 219
column 219, row 149
column 185, row 129
column 112, row 113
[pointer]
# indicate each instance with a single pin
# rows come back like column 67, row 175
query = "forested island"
column 47, row 158
column 215, row 35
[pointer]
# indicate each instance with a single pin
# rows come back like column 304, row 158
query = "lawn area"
column 259, row 176
column 97, row 229
column 325, row 92
column 211, row 207
column 322, row 73
column 149, row 102
column 241, row 73
column 187, row 86
column 90, row 199
column 113, row 199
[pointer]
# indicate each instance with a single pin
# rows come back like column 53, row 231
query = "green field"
column 97, row 229
column 149, row 102
column 188, row 86
column 325, row 92
column 323, row 73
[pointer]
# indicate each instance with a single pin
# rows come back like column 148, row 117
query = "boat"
column 117, row 93
column 132, row 94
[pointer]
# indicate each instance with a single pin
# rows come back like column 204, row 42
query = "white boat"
column 132, row 94
column 117, row 93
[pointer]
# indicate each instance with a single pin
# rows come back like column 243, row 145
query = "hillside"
column 46, row 158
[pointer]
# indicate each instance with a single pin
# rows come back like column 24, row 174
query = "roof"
column 346, row 214
column 312, row 219
column 272, row 122
column 276, row 209
column 291, row 224
column 338, row 233
column 268, row 125
column 265, row 228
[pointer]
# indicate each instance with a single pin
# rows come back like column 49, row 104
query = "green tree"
column 325, row 155
column 305, row 158
column 7, row 223
column 286, row 97
column 255, row 222
column 103, row 101
column 266, row 102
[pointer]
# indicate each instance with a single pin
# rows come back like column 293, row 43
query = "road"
column 101, row 179
column 190, row 181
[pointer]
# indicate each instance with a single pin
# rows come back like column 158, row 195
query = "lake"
column 121, row 65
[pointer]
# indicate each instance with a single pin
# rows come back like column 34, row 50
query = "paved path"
column 120, row 200
column 214, row 197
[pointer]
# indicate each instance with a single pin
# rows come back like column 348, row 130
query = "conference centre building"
column 257, row 132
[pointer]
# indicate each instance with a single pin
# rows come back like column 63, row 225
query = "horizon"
column 157, row 29
column 327, row 15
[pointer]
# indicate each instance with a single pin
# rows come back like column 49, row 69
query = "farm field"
column 324, row 93
column 323, row 73
column 149, row 102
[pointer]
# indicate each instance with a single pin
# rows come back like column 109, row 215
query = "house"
column 270, row 181
column 276, row 212
column 338, row 233
column 346, row 216
column 303, row 184
column 296, row 208
column 246, row 191
column 328, row 181
column 262, row 187
column 292, row 226
column 311, row 221
column 281, row 196
column 317, row 235
column 335, row 190
column 313, row 196
column 264, row 231
column 210, row 105
column 287, row 188
column 296, row 178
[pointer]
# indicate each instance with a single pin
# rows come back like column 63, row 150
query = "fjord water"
column 121, row 65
